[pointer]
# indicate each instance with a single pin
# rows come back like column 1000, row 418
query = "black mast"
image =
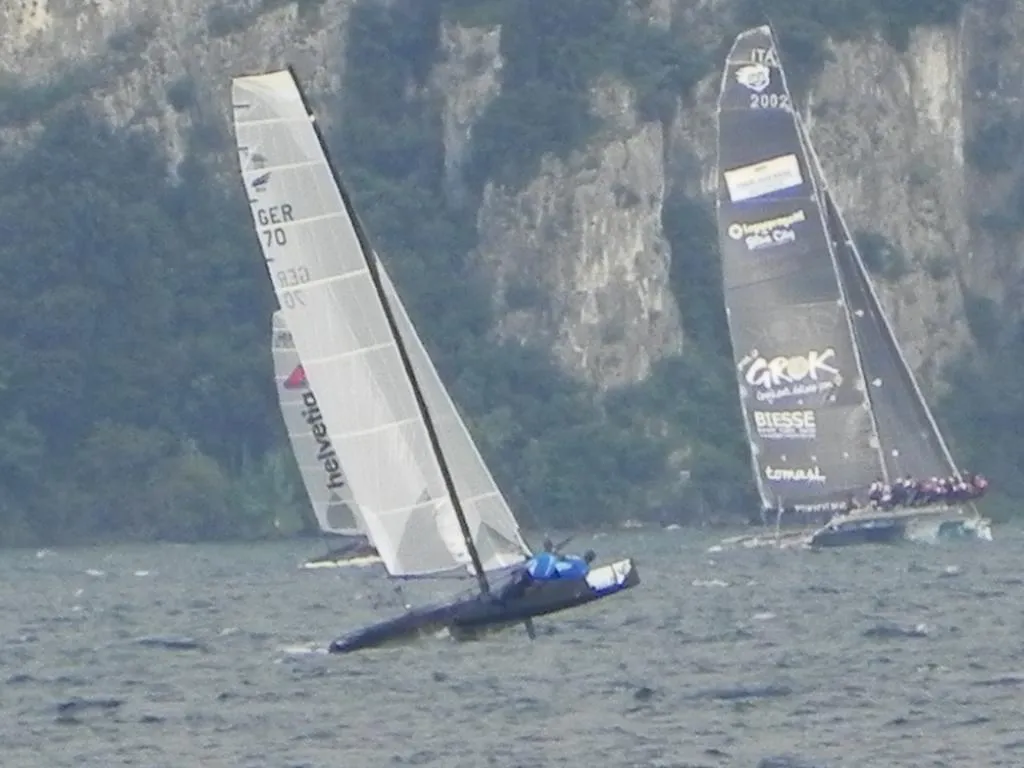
column 421, row 404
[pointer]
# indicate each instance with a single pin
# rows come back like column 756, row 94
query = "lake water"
column 908, row 656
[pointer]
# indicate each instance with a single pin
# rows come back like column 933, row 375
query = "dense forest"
column 136, row 398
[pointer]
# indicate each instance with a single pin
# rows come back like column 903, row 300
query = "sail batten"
column 808, row 420
column 344, row 334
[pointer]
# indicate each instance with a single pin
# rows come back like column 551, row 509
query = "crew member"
column 546, row 566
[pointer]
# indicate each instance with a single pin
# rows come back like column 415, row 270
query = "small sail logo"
column 786, row 425
column 767, row 233
column 801, row 475
column 296, row 379
column 813, row 365
column 325, row 451
column 260, row 182
column 755, row 77
column 795, row 376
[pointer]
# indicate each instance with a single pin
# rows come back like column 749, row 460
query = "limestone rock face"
column 578, row 254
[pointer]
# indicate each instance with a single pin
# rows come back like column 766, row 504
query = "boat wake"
column 300, row 651
column 353, row 562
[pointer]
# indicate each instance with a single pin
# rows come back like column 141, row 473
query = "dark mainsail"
column 812, row 434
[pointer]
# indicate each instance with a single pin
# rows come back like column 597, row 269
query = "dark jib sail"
column 910, row 440
column 810, row 427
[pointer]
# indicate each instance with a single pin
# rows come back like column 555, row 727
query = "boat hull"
column 353, row 554
column 470, row 617
column 870, row 526
column 874, row 527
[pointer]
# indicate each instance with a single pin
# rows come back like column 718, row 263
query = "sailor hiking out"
column 544, row 566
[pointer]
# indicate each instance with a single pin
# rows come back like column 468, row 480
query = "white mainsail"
column 350, row 355
column 319, row 466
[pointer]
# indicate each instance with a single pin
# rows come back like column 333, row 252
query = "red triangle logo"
column 296, row 379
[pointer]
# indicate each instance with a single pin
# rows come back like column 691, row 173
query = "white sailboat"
column 424, row 493
column 322, row 476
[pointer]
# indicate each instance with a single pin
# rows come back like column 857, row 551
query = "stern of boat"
column 614, row 577
column 974, row 528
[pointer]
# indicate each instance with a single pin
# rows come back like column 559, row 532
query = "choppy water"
column 868, row 657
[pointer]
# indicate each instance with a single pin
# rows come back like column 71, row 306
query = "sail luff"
column 421, row 404
column 808, row 150
column 767, row 499
column 873, row 297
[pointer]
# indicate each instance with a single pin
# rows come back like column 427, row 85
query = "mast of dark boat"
column 421, row 404
column 858, row 260
column 808, row 152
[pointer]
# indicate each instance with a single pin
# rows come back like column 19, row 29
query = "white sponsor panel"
column 756, row 77
column 763, row 178
column 823, row 506
column 809, row 475
column 794, row 376
column 786, row 425
column 768, row 233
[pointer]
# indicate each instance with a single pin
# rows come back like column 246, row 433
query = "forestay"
column 809, row 423
column 327, row 296
column 322, row 475
column 497, row 537
column 911, row 441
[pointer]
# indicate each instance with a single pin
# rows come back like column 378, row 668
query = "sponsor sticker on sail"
column 768, row 233
column 804, row 475
column 786, row 425
column 789, row 376
column 756, row 77
column 752, row 181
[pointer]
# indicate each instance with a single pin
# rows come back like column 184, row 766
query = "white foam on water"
column 310, row 649
column 709, row 583
column 355, row 562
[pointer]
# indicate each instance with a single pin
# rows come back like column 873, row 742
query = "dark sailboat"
column 806, row 328
column 422, row 491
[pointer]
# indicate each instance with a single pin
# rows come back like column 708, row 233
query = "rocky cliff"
column 918, row 143
column 578, row 254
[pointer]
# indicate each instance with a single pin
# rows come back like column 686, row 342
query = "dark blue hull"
column 472, row 616
column 847, row 534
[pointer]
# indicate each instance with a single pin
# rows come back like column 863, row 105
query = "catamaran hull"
column 359, row 554
column 471, row 617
